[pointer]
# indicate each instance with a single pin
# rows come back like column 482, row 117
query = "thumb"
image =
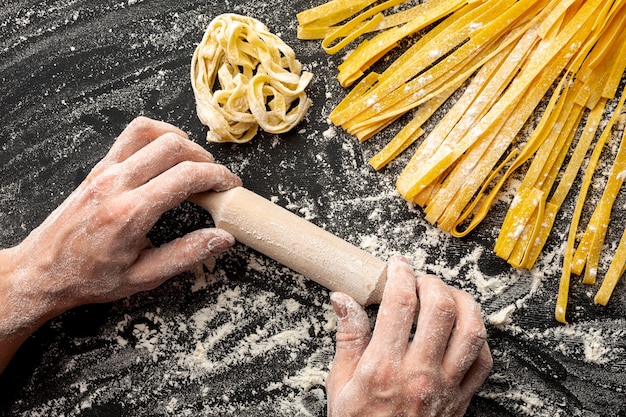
column 353, row 336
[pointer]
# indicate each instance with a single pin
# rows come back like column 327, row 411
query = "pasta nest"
column 261, row 83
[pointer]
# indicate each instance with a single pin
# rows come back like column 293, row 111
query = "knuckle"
column 380, row 375
column 140, row 123
column 477, row 338
column 406, row 300
column 102, row 182
column 225, row 178
column 467, row 302
column 444, row 306
column 472, row 319
column 464, row 296
column 173, row 143
column 436, row 295
column 188, row 176
column 118, row 211
column 189, row 170
column 424, row 389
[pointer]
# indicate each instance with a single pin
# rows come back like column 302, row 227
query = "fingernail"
column 400, row 259
column 339, row 305
column 220, row 241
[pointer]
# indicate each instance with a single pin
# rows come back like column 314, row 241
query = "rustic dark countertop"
column 247, row 336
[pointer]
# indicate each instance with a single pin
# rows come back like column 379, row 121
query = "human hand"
column 385, row 374
column 93, row 247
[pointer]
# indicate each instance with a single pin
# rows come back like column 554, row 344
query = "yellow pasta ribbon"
column 612, row 277
column 494, row 132
column 547, row 145
column 370, row 51
column 568, row 264
column 332, row 12
column 406, row 84
column 588, row 252
column 409, row 133
column 505, row 55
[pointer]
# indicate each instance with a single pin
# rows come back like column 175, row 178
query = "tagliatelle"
column 616, row 270
column 505, row 56
column 409, row 133
column 588, row 252
column 262, row 83
column 568, row 264
column 547, row 143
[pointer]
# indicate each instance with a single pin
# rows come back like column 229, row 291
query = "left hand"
column 93, row 247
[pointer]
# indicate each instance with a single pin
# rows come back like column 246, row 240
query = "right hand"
column 387, row 374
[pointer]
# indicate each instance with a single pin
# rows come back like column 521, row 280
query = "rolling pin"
column 296, row 243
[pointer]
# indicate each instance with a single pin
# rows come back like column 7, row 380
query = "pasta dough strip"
column 488, row 125
column 524, row 255
column 324, row 27
column 576, row 160
column 460, row 108
column 409, row 133
column 405, row 85
column 612, row 277
column 541, row 232
column 596, row 230
column 474, row 173
column 331, row 12
column 545, row 224
column 368, row 52
column 542, row 144
column 533, row 143
column 564, row 283
column 421, row 89
column 510, row 61
column 445, row 36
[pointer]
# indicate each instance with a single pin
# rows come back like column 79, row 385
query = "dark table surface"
column 248, row 336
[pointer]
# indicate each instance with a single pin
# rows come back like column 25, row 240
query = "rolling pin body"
column 296, row 243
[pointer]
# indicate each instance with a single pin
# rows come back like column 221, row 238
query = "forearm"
column 9, row 345
column 21, row 312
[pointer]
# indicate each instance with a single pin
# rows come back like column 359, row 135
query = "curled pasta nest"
column 262, row 83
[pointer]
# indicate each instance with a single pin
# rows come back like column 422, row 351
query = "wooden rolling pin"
column 297, row 243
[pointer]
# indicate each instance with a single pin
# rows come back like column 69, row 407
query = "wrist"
column 24, row 307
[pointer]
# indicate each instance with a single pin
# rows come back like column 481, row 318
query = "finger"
column 353, row 336
column 172, row 187
column 435, row 320
column 138, row 134
column 160, row 155
column 397, row 310
column 477, row 374
column 155, row 265
column 468, row 337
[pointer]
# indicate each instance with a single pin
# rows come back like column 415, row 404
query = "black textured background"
column 73, row 73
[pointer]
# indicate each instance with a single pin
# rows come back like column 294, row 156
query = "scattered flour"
column 193, row 348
